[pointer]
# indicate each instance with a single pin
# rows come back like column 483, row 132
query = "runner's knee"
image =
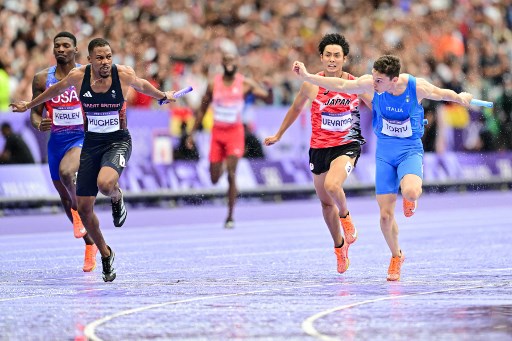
column 106, row 187
column 386, row 217
column 411, row 193
column 67, row 175
column 84, row 210
column 332, row 188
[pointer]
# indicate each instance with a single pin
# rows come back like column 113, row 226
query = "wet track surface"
column 180, row 276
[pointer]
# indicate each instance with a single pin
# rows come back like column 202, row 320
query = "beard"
column 230, row 73
column 61, row 60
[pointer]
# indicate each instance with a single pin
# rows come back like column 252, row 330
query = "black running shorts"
column 101, row 150
column 320, row 158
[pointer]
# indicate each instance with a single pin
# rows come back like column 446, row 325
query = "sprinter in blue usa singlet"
column 65, row 120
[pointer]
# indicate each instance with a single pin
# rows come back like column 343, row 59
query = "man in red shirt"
column 335, row 142
column 226, row 93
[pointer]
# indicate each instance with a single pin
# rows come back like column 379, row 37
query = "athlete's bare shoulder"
column 126, row 74
column 125, row 70
column 77, row 71
column 39, row 80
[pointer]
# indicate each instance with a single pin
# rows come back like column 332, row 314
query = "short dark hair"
column 6, row 125
column 388, row 65
column 334, row 39
column 65, row 35
column 97, row 42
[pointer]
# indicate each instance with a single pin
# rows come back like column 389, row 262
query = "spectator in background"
column 185, row 151
column 504, row 112
column 253, row 146
column 269, row 35
column 15, row 150
column 430, row 135
column 5, row 88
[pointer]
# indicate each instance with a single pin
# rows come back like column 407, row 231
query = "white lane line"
column 90, row 329
column 308, row 324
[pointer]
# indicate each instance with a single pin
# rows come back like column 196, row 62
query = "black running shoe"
column 229, row 224
column 119, row 211
column 109, row 273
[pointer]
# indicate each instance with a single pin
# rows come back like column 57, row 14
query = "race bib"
column 397, row 128
column 226, row 114
column 103, row 122
column 336, row 122
column 68, row 117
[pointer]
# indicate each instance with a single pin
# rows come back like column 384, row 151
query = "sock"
column 342, row 243
column 345, row 216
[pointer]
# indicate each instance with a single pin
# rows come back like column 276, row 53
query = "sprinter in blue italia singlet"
column 107, row 143
column 398, row 125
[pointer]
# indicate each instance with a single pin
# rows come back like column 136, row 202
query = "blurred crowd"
column 462, row 45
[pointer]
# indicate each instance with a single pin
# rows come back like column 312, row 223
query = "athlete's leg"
column 411, row 187
column 332, row 220
column 56, row 151
column 386, row 187
column 231, row 165
column 329, row 209
column 91, row 223
column 216, row 171
column 108, row 184
column 388, row 225
column 410, row 173
column 338, row 172
column 67, row 172
column 68, row 169
column 65, row 198
column 217, row 156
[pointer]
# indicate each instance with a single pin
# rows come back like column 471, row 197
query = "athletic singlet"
column 398, row 116
column 228, row 101
column 335, row 119
column 105, row 112
column 64, row 110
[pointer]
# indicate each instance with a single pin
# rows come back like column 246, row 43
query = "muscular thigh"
column 59, row 146
column 386, row 178
column 412, row 164
column 319, row 183
column 117, row 155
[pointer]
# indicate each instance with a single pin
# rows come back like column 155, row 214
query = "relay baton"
column 480, row 103
column 177, row 94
